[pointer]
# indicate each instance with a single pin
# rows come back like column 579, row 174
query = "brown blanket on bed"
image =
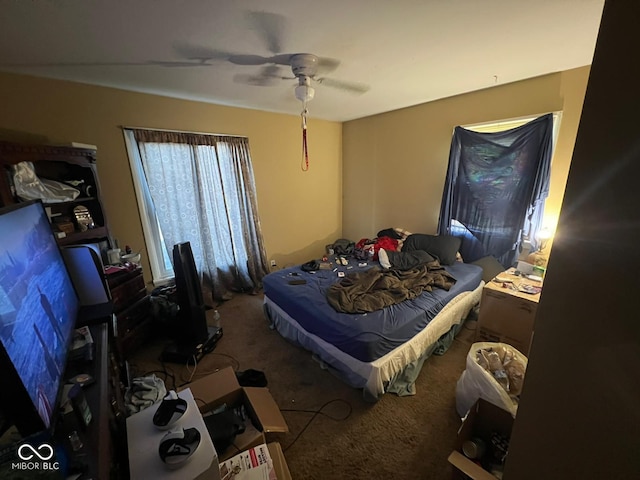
column 373, row 289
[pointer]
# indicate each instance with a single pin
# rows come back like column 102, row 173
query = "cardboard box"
column 507, row 316
column 483, row 420
column 222, row 387
column 262, row 461
column 279, row 462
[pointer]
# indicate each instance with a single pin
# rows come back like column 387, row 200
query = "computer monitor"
column 38, row 311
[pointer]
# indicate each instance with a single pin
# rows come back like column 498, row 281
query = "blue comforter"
column 364, row 336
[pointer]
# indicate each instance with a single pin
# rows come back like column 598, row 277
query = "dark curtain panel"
column 495, row 188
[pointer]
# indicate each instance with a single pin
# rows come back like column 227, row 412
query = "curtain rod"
column 182, row 131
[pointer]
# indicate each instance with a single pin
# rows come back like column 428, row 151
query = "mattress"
column 394, row 372
column 364, row 337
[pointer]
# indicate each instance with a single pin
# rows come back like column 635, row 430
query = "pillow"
column 491, row 267
column 407, row 260
column 443, row 247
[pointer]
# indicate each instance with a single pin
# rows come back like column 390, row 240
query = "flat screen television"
column 38, row 311
column 194, row 337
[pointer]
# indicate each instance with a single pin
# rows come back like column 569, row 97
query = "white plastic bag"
column 30, row 187
column 476, row 382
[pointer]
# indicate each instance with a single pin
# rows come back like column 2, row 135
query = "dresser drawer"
column 134, row 321
column 129, row 318
column 132, row 339
column 128, row 292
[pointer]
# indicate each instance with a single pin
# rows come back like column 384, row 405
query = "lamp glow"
column 540, row 257
column 543, row 237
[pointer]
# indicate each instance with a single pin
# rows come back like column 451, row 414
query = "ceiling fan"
column 306, row 68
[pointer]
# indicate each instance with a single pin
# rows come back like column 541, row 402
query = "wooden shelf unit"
column 61, row 164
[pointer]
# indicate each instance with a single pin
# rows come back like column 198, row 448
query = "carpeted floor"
column 396, row 437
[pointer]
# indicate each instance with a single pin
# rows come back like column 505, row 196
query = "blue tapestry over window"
column 495, row 188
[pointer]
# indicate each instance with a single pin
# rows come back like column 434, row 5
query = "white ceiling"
column 406, row 51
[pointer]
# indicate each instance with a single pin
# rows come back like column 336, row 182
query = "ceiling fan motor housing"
column 304, row 64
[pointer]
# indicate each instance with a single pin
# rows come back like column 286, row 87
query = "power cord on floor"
column 168, row 374
column 192, row 361
column 195, row 367
column 315, row 414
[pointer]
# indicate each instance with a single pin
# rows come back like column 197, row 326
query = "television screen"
column 38, row 310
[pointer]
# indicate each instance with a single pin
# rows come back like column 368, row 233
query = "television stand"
column 189, row 353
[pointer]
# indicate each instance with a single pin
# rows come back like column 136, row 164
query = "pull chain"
column 305, row 151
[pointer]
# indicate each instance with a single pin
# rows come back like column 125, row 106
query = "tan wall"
column 395, row 163
column 300, row 211
column 392, row 165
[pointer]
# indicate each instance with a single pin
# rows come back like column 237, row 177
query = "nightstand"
column 507, row 314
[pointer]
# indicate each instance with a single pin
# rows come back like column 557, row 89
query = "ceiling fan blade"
column 70, row 64
column 192, row 55
column 255, row 80
column 271, row 71
column 199, row 52
column 282, row 59
column 271, row 27
column 351, row 87
column 163, row 63
column 327, row 65
column 269, row 75
column 241, row 59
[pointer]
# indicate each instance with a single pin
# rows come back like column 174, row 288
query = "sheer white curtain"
column 200, row 188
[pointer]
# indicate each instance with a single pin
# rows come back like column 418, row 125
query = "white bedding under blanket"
column 374, row 377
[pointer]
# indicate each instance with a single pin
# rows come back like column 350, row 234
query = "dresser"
column 132, row 308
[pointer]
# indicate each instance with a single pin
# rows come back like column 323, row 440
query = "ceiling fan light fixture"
column 305, row 93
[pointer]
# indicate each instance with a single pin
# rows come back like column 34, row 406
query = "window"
column 198, row 188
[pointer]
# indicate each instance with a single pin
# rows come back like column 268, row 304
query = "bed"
column 379, row 351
